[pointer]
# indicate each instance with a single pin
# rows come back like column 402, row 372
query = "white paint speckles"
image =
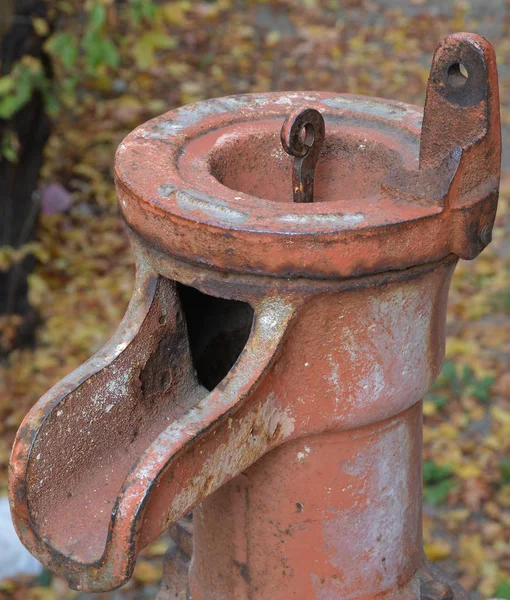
column 301, row 455
column 373, row 383
column 388, row 350
column 274, row 313
column 370, row 107
column 278, row 153
column 119, row 385
column 241, row 450
column 121, row 347
column 334, row 378
column 374, row 525
column 187, row 116
column 330, row 590
column 209, row 206
column 407, row 316
column 337, row 219
column 285, row 100
column 115, row 389
column 226, row 137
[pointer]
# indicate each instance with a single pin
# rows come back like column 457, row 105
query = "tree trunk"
column 6, row 14
column 19, row 201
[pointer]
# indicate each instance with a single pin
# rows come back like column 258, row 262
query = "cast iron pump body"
column 269, row 371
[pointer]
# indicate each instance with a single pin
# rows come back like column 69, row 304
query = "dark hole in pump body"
column 218, row 330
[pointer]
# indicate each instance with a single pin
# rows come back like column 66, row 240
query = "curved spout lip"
column 127, row 521
column 31, row 426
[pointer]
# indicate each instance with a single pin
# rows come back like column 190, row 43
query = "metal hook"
column 302, row 136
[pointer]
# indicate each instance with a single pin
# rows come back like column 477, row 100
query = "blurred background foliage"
column 116, row 64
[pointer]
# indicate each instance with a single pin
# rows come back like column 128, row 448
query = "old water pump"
column 294, row 253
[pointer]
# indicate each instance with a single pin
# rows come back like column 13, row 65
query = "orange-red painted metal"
column 287, row 414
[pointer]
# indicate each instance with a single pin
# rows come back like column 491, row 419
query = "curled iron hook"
column 302, row 136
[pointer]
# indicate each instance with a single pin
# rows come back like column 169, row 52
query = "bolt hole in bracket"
column 132, row 441
column 457, row 75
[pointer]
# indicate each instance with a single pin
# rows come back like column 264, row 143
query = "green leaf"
column 64, row 46
column 9, row 153
column 437, row 482
column 434, row 473
column 45, row 578
column 24, row 86
column 149, row 11
column 93, row 56
column 448, row 373
column 97, row 17
column 7, row 85
column 99, row 50
column 110, row 53
column 438, row 494
column 504, row 469
column 10, row 105
column 136, row 15
column 439, row 401
column 10, row 146
column 502, row 301
column 143, row 52
column 143, row 9
column 161, row 41
column 467, row 374
column 503, row 589
column 51, row 101
column 481, row 388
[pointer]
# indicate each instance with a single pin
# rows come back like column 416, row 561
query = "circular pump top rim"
column 172, row 201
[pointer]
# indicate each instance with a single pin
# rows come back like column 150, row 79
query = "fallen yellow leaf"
column 146, row 573
column 501, row 415
column 456, row 347
column 157, row 548
column 429, row 409
column 448, row 431
column 503, row 496
column 468, row 471
column 438, row 550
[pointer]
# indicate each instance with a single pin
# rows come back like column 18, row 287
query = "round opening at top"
column 457, row 75
column 352, row 163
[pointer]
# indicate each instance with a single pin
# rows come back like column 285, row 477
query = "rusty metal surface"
column 123, row 440
column 208, row 183
column 302, row 453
